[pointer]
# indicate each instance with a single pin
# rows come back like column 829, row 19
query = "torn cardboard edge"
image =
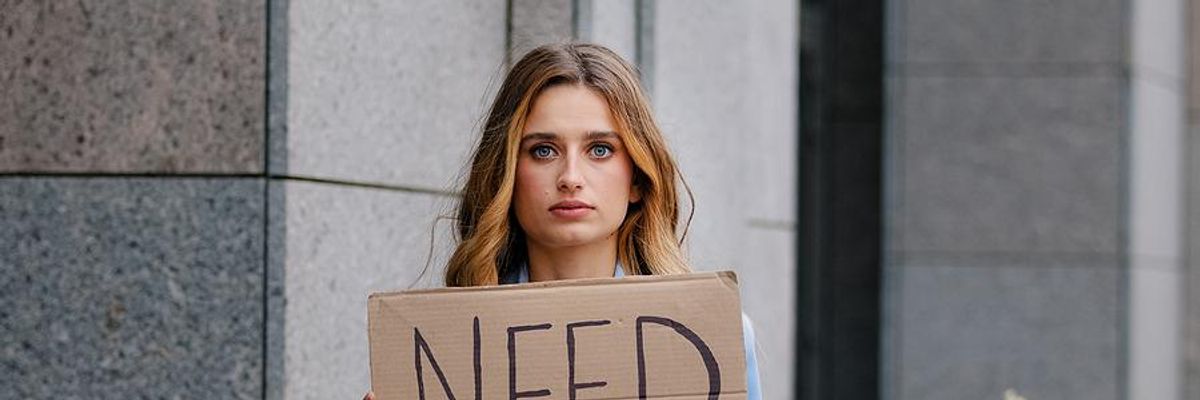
column 636, row 337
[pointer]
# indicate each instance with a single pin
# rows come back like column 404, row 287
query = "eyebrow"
column 592, row 135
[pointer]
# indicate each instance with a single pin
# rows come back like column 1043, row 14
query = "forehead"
column 569, row 109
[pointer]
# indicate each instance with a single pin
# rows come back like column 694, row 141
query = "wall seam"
column 266, row 201
column 275, row 122
column 508, row 39
column 272, row 177
column 643, row 17
column 1123, row 206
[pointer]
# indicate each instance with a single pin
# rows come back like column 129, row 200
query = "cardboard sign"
column 637, row 337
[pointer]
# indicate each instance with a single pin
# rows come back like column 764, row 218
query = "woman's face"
column 574, row 178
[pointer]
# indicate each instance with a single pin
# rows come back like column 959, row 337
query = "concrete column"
column 1155, row 219
column 1034, row 186
column 724, row 83
column 376, row 106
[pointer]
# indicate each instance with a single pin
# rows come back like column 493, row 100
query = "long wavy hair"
column 491, row 242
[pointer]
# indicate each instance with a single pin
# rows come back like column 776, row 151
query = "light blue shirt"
column 753, row 391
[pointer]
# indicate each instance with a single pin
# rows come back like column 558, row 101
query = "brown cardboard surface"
column 575, row 339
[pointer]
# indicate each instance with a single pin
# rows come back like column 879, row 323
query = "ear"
column 635, row 193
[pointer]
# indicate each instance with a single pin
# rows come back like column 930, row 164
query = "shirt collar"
column 523, row 272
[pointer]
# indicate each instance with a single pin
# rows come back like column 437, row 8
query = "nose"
column 570, row 179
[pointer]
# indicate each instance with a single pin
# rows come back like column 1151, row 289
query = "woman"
column 571, row 179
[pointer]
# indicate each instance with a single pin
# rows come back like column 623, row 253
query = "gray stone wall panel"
column 1156, row 181
column 973, row 333
column 139, row 86
column 537, row 22
column 995, row 165
column 1012, row 32
column 613, row 24
column 769, row 136
column 389, row 92
column 767, row 277
column 725, row 94
column 1158, row 36
column 701, row 102
column 131, row 288
column 343, row 243
column 1155, row 329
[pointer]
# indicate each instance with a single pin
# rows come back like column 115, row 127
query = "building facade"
column 923, row 200
column 198, row 197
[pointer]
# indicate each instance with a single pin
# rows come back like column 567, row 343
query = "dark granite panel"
column 132, row 86
column 131, row 288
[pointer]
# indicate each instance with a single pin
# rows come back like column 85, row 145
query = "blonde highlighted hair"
column 491, row 242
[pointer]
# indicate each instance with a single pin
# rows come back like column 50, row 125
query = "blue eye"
column 542, row 152
column 601, row 151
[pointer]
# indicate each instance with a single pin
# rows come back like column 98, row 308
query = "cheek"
column 618, row 180
column 529, row 188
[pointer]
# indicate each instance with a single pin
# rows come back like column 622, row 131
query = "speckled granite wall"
column 131, row 288
column 119, row 277
column 135, row 86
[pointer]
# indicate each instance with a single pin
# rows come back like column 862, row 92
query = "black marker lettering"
column 513, row 394
column 419, row 344
column 478, row 364
column 571, row 385
column 710, row 362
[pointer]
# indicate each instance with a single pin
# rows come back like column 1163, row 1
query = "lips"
column 571, row 209
column 570, row 204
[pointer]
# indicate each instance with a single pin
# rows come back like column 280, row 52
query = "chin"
column 572, row 239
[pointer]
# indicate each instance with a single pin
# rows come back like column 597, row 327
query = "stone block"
column 135, row 86
column 131, row 288
column 537, row 22
column 1155, row 327
column 700, row 101
column 1156, row 171
column 727, row 108
column 769, row 136
column 343, row 243
column 1021, row 33
column 767, row 276
column 389, row 92
column 1158, row 38
column 612, row 23
column 1008, row 165
column 973, row 333
column 724, row 94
